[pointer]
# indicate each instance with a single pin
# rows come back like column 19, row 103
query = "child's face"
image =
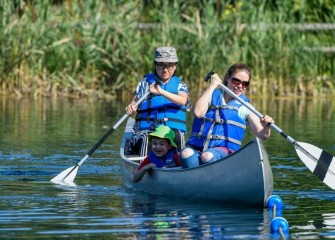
column 160, row 146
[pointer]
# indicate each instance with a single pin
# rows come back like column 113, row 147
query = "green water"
column 40, row 138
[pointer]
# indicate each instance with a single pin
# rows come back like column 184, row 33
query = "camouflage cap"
column 166, row 54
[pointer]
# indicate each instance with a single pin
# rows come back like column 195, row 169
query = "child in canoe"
column 163, row 152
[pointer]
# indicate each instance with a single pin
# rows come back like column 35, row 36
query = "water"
column 40, row 138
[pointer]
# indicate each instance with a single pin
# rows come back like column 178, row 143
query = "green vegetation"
column 103, row 48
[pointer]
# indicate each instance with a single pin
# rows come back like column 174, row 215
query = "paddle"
column 68, row 175
column 318, row 161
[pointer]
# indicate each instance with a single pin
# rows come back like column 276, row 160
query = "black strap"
column 161, row 109
column 149, row 107
column 154, row 119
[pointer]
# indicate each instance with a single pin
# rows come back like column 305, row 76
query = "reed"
column 103, row 48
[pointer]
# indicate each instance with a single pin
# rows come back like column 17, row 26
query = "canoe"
column 242, row 178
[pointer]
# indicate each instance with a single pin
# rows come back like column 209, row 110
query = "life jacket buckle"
column 158, row 121
column 215, row 137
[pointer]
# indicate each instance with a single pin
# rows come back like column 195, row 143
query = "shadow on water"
column 41, row 138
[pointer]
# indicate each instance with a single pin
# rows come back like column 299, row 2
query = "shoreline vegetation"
column 102, row 48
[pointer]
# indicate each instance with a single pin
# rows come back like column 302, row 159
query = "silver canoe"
column 243, row 178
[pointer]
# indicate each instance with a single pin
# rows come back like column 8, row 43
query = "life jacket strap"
column 162, row 109
column 223, row 107
column 217, row 137
column 209, row 134
column 223, row 121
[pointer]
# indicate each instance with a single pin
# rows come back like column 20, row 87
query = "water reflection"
column 159, row 217
column 321, row 227
column 329, row 220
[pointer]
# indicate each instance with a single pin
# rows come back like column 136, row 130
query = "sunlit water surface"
column 41, row 138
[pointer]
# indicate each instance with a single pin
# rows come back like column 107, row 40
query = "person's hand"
column 130, row 109
column 267, row 120
column 149, row 167
column 155, row 89
column 215, row 81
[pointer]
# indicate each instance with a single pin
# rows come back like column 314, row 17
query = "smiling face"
column 238, row 82
column 160, row 146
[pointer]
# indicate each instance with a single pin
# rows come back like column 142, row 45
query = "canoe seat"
column 137, row 145
column 179, row 138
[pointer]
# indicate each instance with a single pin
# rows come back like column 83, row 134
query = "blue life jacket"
column 168, row 161
column 220, row 127
column 158, row 110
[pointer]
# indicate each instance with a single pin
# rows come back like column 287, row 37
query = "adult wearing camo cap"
column 169, row 99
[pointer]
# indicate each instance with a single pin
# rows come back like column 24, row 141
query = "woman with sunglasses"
column 220, row 120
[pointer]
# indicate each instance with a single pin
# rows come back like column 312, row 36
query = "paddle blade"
column 318, row 161
column 67, row 176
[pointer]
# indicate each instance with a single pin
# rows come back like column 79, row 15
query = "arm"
column 140, row 171
column 260, row 127
column 203, row 102
column 131, row 109
column 138, row 93
column 180, row 98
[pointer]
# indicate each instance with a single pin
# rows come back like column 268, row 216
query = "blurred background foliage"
column 102, row 48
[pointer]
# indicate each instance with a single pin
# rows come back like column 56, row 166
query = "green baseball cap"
column 166, row 133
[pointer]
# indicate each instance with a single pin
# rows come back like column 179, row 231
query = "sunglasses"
column 237, row 82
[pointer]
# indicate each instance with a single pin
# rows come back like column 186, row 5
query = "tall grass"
column 103, row 48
